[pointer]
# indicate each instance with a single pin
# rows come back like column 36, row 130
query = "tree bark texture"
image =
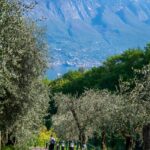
column 103, row 142
column 146, row 137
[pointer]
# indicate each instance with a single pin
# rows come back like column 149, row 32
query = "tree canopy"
column 22, row 65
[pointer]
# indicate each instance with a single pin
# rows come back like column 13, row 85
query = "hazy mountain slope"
column 85, row 32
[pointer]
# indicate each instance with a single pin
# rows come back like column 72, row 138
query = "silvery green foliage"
column 65, row 126
column 134, row 107
column 27, row 126
column 125, row 112
column 93, row 110
column 129, row 117
column 106, row 107
column 64, row 122
column 22, row 63
column 141, row 92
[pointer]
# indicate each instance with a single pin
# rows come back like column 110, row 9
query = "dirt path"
column 39, row 149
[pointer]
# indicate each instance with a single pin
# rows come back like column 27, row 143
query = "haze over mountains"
column 83, row 33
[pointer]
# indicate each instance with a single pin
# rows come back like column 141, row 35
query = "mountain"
column 83, row 33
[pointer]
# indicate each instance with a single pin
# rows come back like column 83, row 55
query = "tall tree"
column 72, row 111
column 141, row 93
column 22, row 64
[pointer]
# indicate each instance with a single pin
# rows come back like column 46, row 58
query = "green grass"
column 8, row 148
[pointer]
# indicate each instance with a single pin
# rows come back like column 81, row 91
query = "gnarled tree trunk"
column 146, row 137
column 82, row 137
column 103, row 142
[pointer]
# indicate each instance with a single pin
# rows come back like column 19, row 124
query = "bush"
column 44, row 137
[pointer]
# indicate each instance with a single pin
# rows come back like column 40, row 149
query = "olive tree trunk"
column 103, row 142
column 82, row 138
column 146, row 137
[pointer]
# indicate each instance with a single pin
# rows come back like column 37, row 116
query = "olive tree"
column 106, row 108
column 118, row 113
column 73, row 112
column 22, row 64
column 28, row 125
column 141, row 94
column 133, row 108
column 129, row 119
